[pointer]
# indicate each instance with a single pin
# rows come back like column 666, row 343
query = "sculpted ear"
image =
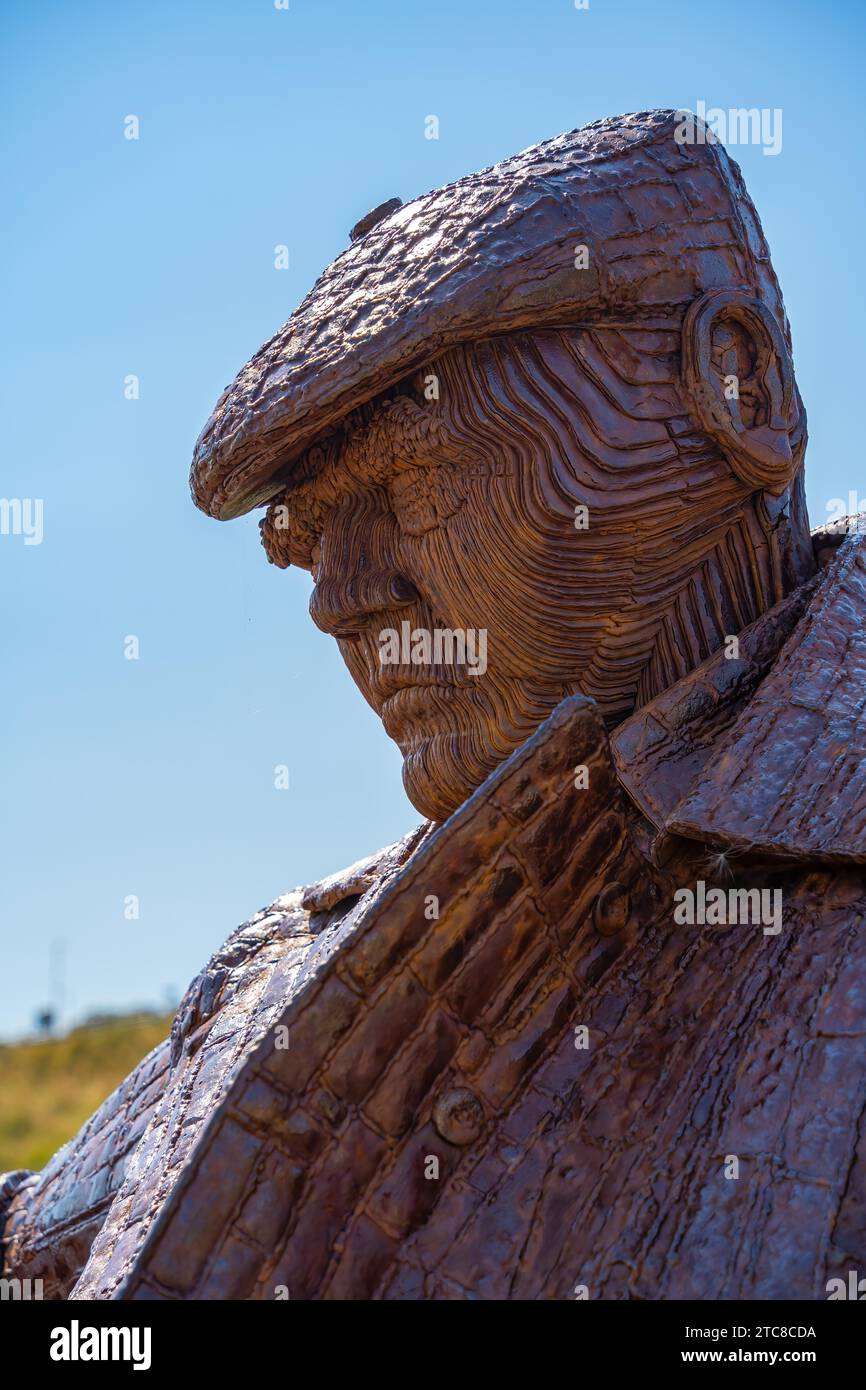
column 739, row 380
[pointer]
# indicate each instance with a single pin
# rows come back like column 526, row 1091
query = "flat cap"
column 662, row 219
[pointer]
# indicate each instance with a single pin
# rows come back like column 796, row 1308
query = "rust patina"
column 554, row 1040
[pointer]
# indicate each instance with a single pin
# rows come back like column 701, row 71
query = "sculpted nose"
column 339, row 604
column 359, row 572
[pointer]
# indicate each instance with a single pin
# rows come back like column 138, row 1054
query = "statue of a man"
column 597, row 1024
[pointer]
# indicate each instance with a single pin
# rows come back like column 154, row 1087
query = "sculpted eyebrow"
column 374, row 447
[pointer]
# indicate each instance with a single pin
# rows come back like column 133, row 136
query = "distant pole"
column 57, row 970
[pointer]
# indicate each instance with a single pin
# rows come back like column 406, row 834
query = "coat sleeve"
column 48, row 1220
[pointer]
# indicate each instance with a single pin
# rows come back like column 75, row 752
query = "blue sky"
column 155, row 257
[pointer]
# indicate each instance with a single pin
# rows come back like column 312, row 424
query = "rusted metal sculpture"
column 595, row 1029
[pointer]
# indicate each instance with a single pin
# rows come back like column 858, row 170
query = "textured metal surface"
column 491, row 253
column 52, row 1221
column 306, row 1168
column 491, row 1061
column 318, row 1149
column 791, row 777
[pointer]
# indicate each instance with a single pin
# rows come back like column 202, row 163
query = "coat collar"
column 765, row 753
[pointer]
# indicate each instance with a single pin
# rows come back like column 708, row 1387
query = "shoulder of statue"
column 356, row 880
column 281, row 933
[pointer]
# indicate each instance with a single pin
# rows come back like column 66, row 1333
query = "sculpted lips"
column 413, row 702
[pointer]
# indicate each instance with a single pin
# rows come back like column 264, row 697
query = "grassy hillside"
column 49, row 1088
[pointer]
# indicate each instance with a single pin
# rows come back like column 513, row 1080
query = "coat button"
column 458, row 1117
column 612, row 908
